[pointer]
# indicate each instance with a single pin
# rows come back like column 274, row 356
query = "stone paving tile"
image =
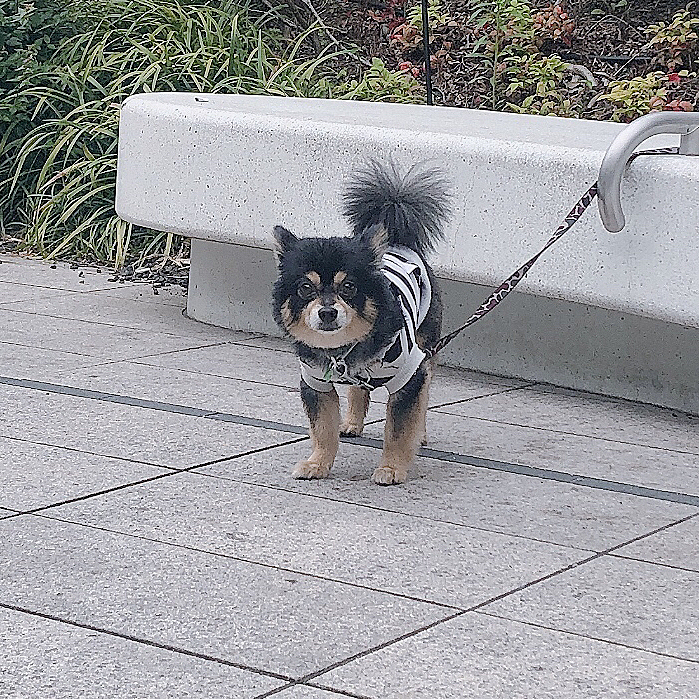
column 235, row 396
column 172, row 295
column 108, row 342
column 642, row 605
column 18, row 270
column 52, row 660
column 540, row 509
column 141, row 434
column 33, row 475
column 269, row 342
column 256, row 616
column 677, row 546
column 14, row 293
column 488, row 658
column 450, row 385
column 125, row 313
column 572, row 412
column 18, row 361
column 5, row 513
column 447, row 385
column 305, row 692
column 386, row 551
column 589, row 456
column 235, row 361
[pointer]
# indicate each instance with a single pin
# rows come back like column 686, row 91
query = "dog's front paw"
column 310, row 469
column 350, row 429
column 385, row 475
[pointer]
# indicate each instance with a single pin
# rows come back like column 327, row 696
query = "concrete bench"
column 617, row 315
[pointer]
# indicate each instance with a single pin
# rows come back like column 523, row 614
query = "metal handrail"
column 612, row 169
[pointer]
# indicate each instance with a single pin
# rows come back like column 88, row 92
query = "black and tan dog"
column 361, row 308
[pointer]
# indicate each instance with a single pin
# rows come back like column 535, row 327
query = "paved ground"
column 154, row 545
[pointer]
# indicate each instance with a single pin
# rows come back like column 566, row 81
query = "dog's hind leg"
column 405, row 427
column 323, row 410
column 358, row 404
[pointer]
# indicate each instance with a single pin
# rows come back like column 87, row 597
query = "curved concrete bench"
column 613, row 314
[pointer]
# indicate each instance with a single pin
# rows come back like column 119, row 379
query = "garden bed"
column 65, row 69
column 537, row 57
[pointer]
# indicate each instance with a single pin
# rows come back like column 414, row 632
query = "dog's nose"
column 327, row 314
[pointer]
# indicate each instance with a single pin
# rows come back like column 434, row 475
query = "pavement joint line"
column 135, row 360
column 206, row 373
column 96, row 322
column 260, row 337
column 568, row 632
column 181, row 349
column 496, row 598
column 257, row 422
column 145, row 641
column 484, row 395
column 89, row 453
column 45, row 349
column 565, row 432
column 452, row 457
column 240, row 559
column 367, row 651
column 653, row 532
column 170, row 472
column 585, row 561
column 655, row 563
column 333, row 690
column 387, row 510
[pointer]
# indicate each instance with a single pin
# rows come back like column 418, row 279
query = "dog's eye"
column 348, row 290
column 306, row 290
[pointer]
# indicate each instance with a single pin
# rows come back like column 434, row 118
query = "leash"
column 511, row 282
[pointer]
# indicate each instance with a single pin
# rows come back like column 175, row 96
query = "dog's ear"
column 284, row 241
column 376, row 239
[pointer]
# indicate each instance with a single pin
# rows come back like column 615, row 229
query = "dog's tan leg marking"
column 401, row 442
column 325, row 437
column 358, row 404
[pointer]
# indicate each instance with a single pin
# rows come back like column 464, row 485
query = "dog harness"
column 410, row 284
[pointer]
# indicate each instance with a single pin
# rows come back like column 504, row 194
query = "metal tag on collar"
column 337, row 365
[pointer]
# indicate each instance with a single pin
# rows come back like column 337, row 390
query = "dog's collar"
column 337, row 364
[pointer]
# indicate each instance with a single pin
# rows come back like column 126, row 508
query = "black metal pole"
column 426, row 42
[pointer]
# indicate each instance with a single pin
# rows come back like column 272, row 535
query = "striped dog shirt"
column 410, row 284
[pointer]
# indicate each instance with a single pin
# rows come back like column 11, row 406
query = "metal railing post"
column 686, row 124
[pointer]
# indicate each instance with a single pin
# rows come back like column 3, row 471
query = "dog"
column 361, row 309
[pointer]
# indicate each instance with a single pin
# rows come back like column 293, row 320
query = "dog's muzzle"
column 328, row 318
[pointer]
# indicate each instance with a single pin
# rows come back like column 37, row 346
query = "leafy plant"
column 380, row 84
column 555, row 24
column 57, row 180
column 676, row 39
column 509, row 25
column 408, row 34
column 436, row 15
column 514, row 25
column 30, row 32
column 540, row 78
column 637, row 96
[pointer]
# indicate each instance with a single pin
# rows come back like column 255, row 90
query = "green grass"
column 58, row 165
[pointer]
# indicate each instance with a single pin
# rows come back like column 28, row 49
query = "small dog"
column 361, row 308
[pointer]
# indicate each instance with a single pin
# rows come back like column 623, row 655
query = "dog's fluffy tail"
column 412, row 208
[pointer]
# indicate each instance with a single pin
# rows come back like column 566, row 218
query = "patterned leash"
column 511, row 282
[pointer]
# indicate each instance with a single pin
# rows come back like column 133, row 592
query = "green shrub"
column 637, row 96
column 30, row 33
column 379, row 84
column 57, row 179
